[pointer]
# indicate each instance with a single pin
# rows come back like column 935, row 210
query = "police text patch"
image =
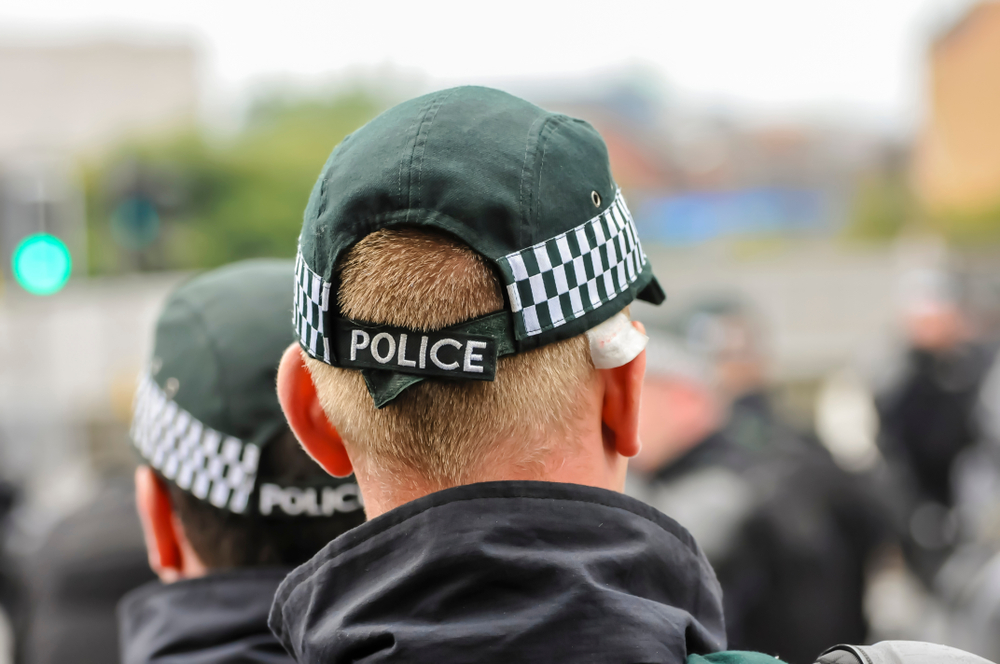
column 445, row 353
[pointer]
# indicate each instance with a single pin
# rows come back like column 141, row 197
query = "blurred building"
column 62, row 101
column 693, row 176
column 957, row 166
column 86, row 96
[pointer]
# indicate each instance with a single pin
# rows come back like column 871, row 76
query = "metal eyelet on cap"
column 596, row 198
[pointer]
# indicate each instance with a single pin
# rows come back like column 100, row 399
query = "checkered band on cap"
column 211, row 465
column 312, row 301
column 563, row 278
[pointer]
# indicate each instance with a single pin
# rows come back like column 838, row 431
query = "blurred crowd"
column 905, row 544
column 783, row 522
column 844, row 489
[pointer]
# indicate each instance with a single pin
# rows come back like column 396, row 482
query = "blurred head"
column 549, row 415
column 188, row 537
column 725, row 332
column 224, row 483
column 680, row 406
column 932, row 314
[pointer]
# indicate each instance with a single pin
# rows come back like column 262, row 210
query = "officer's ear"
column 620, row 408
column 305, row 415
column 152, row 499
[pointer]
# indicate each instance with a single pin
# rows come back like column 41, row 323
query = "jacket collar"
column 505, row 571
column 220, row 618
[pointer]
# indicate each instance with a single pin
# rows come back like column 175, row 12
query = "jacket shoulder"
column 734, row 657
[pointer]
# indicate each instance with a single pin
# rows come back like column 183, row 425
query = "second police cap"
column 206, row 412
column 528, row 189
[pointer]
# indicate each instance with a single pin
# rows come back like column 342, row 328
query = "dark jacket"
column 505, row 572
column 217, row 619
column 788, row 533
column 927, row 416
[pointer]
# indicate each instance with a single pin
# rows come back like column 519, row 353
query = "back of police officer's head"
column 449, row 432
column 223, row 483
column 443, row 254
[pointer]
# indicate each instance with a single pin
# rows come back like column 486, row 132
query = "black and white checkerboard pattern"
column 312, row 301
column 563, row 278
column 211, row 465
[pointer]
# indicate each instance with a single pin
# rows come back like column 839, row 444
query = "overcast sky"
column 857, row 57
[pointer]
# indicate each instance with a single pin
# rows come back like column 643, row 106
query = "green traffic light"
column 42, row 264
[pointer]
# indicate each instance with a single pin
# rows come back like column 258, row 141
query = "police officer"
column 926, row 402
column 462, row 285
column 227, row 499
column 780, row 523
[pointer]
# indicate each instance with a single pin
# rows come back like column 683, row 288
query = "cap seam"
column 429, row 118
column 552, row 121
column 410, row 137
column 526, row 214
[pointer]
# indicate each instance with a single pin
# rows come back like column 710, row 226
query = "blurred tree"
column 970, row 227
column 883, row 206
column 216, row 201
column 884, row 202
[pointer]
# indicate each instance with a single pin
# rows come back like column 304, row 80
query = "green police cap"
column 207, row 408
column 528, row 189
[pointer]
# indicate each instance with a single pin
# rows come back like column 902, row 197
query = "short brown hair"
column 446, row 431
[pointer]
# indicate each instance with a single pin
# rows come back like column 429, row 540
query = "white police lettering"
column 402, row 350
column 270, row 495
column 401, row 359
column 423, row 352
column 357, row 335
column 382, row 359
column 295, row 501
column 345, row 499
column 447, row 366
column 471, row 357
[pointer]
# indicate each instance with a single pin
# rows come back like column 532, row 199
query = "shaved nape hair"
column 446, row 432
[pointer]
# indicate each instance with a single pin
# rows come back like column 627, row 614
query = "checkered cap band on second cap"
column 211, row 465
column 311, row 302
column 563, row 278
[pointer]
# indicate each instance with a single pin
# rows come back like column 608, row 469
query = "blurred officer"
column 228, row 500
column 726, row 334
column 926, row 404
column 787, row 531
column 926, row 407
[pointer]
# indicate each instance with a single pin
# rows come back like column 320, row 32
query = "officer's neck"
column 587, row 457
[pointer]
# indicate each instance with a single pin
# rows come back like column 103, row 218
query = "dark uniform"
column 207, row 419
column 927, row 420
column 781, row 530
column 217, row 619
column 506, row 572
column 927, row 416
